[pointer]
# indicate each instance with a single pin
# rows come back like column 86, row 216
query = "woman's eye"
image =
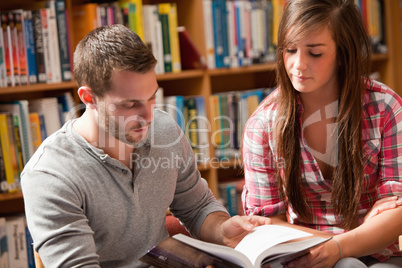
column 292, row 51
column 316, row 55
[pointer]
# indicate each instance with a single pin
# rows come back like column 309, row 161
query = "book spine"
column 174, row 38
column 3, row 244
column 18, row 144
column 29, row 38
column 5, row 143
column 64, row 52
column 16, row 240
column 3, row 178
column 13, row 150
column 3, row 74
column 21, row 49
column 8, row 50
column 14, row 47
column 35, row 130
column 164, row 18
column 209, row 34
column 39, row 46
column 54, row 50
column 157, row 40
column 202, row 129
column 139, row 19
column 46, row 45
column 191, row 124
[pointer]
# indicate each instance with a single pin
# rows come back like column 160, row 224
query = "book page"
column 266, row 236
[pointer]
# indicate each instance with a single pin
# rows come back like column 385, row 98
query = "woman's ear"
column 87, row 97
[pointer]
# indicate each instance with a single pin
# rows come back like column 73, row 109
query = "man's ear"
column 87, row 97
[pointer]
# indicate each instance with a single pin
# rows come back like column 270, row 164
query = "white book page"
column 266, row 236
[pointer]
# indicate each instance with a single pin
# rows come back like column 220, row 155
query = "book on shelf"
column 21, row 49
column 265, row 245
column 49, row 109
column 3, row 74
column 29, row 38
column 14, row 47
column 230, row 191
column 39, row 46
column 153, row 35
column 62, row 30
column 85, row 20
column 9, row 158
column 8, row 50
column 219, row 22
column 3, row 244
column 209, row 33
column 163, row 9
column 190, row 56
column 16, row 242
column 35, row 130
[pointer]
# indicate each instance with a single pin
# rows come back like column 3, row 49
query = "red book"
column 190, row 56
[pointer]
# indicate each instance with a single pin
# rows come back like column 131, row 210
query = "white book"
column 234, row 62
column 49, row 108
column 3, row 244
column 3, row 75
column 54, row 51
column 46, row 44
column 209, row 33
column 16, row 242
column 154, row 35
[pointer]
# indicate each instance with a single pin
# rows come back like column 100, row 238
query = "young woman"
column 322, row 152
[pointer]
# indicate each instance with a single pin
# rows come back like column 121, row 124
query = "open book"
column 265, row 245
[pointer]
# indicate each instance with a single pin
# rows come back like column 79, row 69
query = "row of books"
column 230, row 112
column 190, row 114
column 244, row 32
column 23, row 126
column 34, row 46
column 156, row 24
column 16, row 244
column 230, row 192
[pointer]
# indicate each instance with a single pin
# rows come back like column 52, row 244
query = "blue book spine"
column 180, row 112
column 218, row 33
column 241, row 43
column 61, row 18
column 30, row 249
column 30, row 47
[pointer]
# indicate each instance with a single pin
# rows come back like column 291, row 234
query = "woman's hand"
column 237, row 227
column 383, row 205
column 323, row 256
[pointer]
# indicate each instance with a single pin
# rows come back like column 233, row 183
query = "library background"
column 215, row 64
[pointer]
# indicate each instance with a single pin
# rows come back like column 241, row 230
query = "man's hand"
column 383, row 205
column 237, row 227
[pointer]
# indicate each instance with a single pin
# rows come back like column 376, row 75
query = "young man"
column 97, row 191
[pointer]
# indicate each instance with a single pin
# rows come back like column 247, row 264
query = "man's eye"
column 129, row 105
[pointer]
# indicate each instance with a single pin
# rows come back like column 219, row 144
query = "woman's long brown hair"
column 301, row 18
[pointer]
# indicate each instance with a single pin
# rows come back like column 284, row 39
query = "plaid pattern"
column 382, row 147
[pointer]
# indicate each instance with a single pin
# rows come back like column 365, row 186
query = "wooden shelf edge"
column 245, row 69
column 181, row 75
column 11, row 196
column 38, row 87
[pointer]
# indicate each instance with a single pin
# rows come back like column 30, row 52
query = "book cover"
column 265, row 245
column 29, row 38
column 64, row 52
column 190, row 55
column 39, row 46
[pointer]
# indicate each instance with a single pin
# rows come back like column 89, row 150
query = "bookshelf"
column 204, row 82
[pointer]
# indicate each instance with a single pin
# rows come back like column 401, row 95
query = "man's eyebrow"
column 135, row 100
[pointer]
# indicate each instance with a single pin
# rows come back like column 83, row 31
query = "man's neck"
column 87, row 127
